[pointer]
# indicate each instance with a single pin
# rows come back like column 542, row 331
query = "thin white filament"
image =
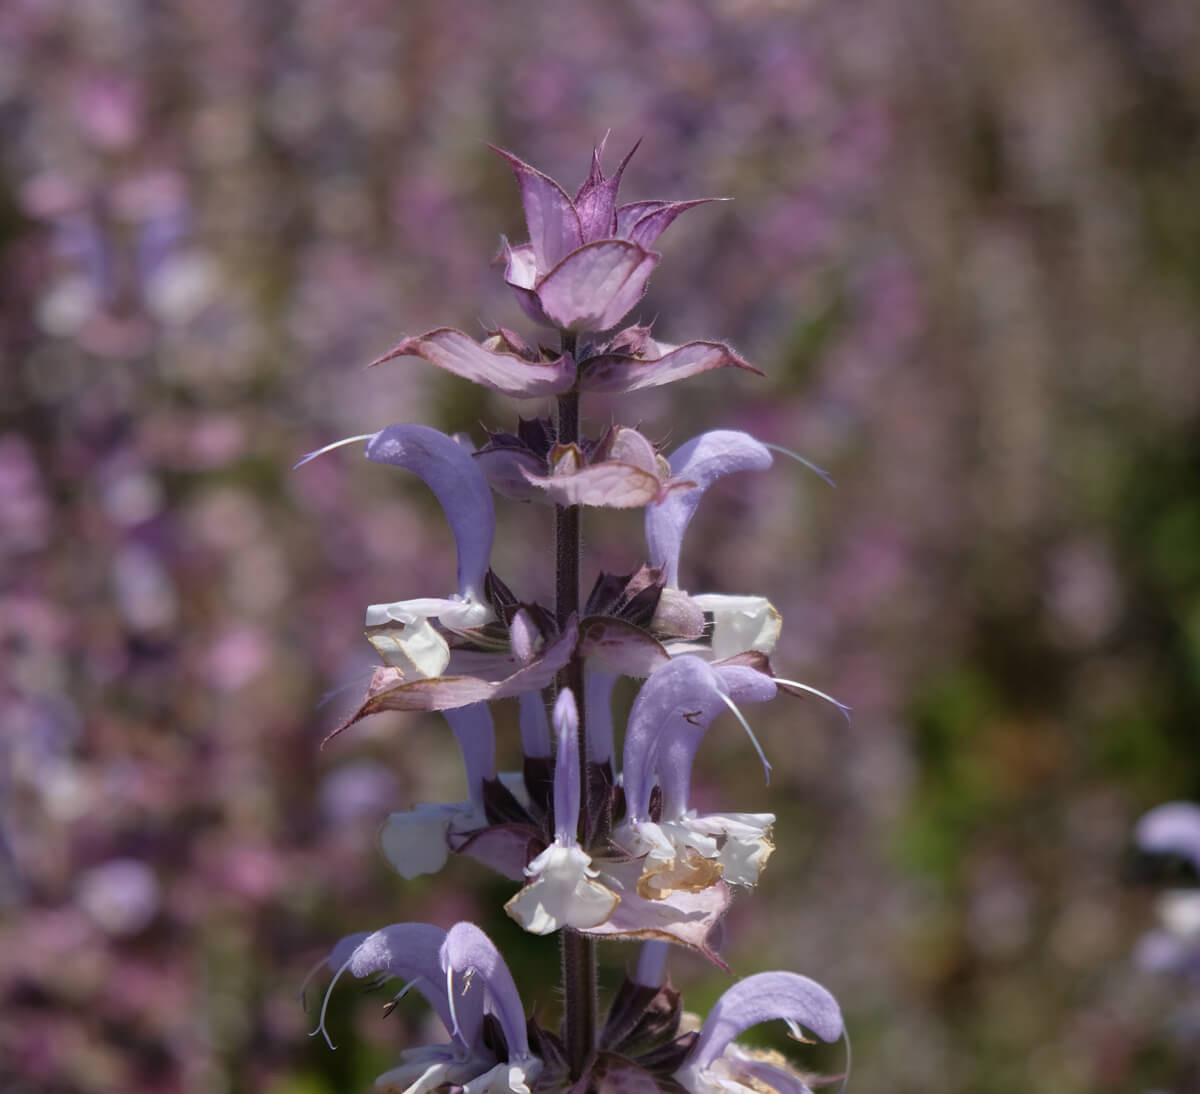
column 750, row 733
column 813, row 691
column 849, row 1061
column 456, row 1032
column 798, row 458
column 330, row 447
column 325, row 1005
column 308, row 977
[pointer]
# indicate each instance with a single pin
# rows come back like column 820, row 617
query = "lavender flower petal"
column 408, row 951
column 535, row 726
column 466, row 951
column 674, row 690
column 566, row 767
column 450, row 472
column 597, row 704
column 476, row 736
column 761, row 998
column 703, row 460
column 1171, row 828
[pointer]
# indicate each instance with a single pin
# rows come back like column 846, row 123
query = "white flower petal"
column 413, row 648
column 415, row 842
column 674, row 858
column 424, row 1069
column 505, row 1078
column 562, row 893
column 405, row 637
column 745, row 842
column 1179, row 910
column 740, row 623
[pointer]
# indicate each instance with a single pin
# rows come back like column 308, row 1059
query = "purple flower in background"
column 1173, row 829
column 121, row 896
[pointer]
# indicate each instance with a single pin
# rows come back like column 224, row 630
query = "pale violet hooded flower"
column 417, row 842
column 1173, row 829
column 684, row 850
column 463, row 977
column 446, row 652
column 402, row 630
column 562, row 890
column 739, row 623
column 718, row 1065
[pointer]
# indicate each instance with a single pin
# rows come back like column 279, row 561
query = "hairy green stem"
column 578, row 951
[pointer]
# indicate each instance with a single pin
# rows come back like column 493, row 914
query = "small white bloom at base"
column 1179, row 910
column 744, row 1071
column 415, row 842
column 740, row 623
column 505, row 1078
column 432, row 1067
column 673, row 858
column 404, row 636
column 745, row 842
column 424, row 1069
column 562, row 893
column 695, row 851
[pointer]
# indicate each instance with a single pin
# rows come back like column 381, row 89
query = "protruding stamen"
column 395, row 1000
column 813, row 691
column 800, row 459
column 325, row 1005
column 750, row 733
column 330, row 447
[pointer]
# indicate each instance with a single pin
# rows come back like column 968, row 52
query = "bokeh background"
column 965, row 248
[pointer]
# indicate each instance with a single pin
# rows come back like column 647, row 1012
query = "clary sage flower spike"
column 597, row 841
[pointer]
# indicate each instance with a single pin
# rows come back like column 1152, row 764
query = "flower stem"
column 578, row 951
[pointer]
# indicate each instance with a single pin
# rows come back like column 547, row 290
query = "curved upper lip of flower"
column 459, row 971
column 760, row 998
